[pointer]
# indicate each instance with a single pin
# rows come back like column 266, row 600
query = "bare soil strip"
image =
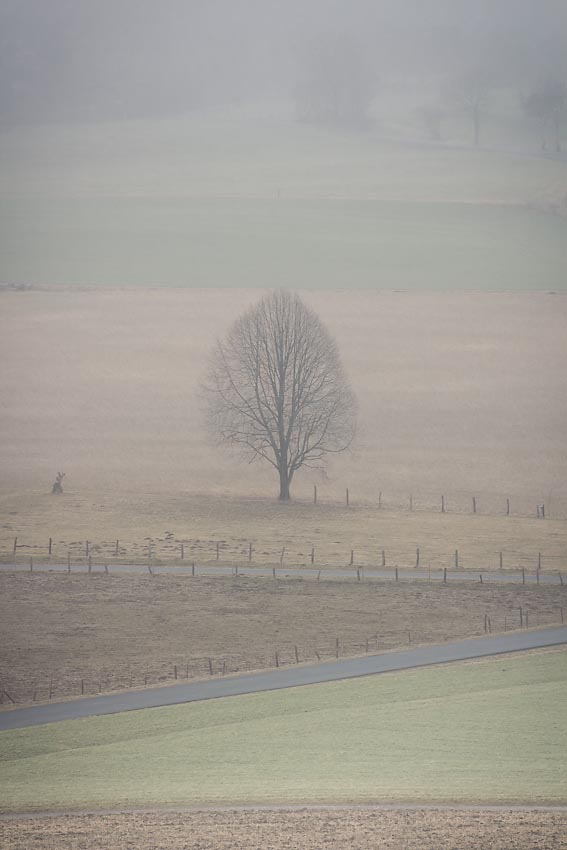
column 307, row 828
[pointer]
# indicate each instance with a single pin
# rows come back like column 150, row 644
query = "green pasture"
column 237, row 201
column 490, row 731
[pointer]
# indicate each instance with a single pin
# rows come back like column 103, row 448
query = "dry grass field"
column 162, row 524
column 459, row 394
column 301, row 829
column 122, row 631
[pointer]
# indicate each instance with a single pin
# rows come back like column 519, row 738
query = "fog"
column 95, row 60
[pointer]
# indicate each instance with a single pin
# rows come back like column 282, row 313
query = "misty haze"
column 283, row 326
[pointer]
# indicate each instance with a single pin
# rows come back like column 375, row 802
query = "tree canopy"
column 276, row 388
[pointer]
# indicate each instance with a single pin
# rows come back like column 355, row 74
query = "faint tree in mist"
column 276, row 388
column 335, row 84
column 470, row 91
column 431, row 116
column 546, row 105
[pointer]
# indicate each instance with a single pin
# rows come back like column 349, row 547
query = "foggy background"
column 101, row 59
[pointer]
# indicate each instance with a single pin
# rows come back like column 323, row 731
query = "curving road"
column 289, row 677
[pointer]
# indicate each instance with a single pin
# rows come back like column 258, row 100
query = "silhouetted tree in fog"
column 276, row 388
column 546, row 105
column 471, row 91
column 335, row 84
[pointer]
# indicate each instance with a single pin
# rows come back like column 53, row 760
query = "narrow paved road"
column 288, row 677
column 361, row 573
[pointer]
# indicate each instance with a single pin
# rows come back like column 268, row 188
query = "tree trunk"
column 476, row 121
column 557, row 126
column 284, row 485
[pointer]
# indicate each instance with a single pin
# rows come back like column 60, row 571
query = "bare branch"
column 276, row 388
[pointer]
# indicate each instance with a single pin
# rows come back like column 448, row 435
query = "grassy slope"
column 229, row 202
column 488, row 731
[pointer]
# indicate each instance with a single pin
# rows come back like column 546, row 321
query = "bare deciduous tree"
column 471, row 92
column 276, row 388
column 335, row 85
column 547, row 105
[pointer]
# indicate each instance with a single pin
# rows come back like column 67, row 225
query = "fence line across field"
column 439, row 574
column 171, row 551
column 62, row 684
column 459, row 502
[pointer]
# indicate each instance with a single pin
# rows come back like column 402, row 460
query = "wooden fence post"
column 347, row 497
column 50, row 544
column 417, row 558
column 442, row 504
column 68, row 562
column 90, row 563
column 380, row 500
column 193, row 568
column 31, row 565
column 210, row 667
column 411, row 503
column 474, row 504
column 351, row 557
column 249, row 552
column 397, row 576
column 480, row 577
column 523, row 576
column 456, row 559
column 445, row 575
column 282, row 555
column 116, row 549
column 313, row 554
column 15, row 545
column 87, row 548
column 507, row 507
column 539, row 561
column 296, row 655
column 383, row 557
column 521, row 617
column 277, row 659
column 501, row 560
column 337, row 648
column 314, row 494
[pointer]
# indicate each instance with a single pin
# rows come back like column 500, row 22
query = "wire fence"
column 172, row 551
column 23, row 687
